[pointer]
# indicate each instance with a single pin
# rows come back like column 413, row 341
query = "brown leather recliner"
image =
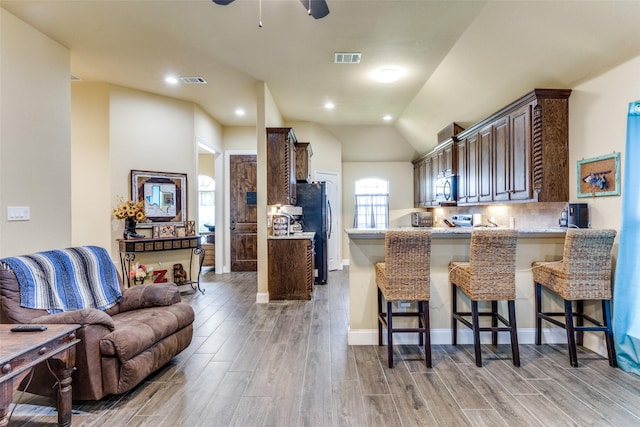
column 119, row 347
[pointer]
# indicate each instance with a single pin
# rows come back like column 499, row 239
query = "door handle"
column 330, row 219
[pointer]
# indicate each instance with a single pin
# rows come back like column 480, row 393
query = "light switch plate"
column 18, row 213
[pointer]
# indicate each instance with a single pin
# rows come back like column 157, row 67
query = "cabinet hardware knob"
column 6, row 368
column 43, row 350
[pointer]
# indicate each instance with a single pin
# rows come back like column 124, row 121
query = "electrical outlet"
column 18, row 213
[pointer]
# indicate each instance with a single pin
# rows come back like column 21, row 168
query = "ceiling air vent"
column 347, row 57
column 193, row 80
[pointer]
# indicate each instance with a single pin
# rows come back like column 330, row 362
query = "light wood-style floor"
column 288, row 364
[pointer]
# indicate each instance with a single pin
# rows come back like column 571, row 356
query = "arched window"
column 206, row 202
column 371, row 204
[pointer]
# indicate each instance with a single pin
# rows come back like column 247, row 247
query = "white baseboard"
column 262, row 297
column 465, row 336
column 345, row 262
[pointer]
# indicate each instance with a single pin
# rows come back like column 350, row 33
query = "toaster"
column 422, row 219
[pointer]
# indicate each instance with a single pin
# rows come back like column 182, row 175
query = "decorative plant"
column 140, row 272
column 129, row 209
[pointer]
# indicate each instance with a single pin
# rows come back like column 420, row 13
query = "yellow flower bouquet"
column 127, row 209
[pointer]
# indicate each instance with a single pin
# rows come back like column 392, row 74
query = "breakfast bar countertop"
column 455, row 232
column 303, row 235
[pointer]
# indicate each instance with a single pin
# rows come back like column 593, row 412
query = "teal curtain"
column 626, row 296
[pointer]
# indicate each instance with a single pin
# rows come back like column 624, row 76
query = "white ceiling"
column 463, row 59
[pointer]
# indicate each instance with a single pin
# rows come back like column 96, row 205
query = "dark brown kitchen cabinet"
column 485, row 170
column 421, row 183
column 281, row 166
column 425, row 173
column 291, row 266
column 522, row 151
column 466, row 151
column 446, row 158
column 303, row 162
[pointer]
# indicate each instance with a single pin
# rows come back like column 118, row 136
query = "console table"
column 21, row 351
column 129, row 249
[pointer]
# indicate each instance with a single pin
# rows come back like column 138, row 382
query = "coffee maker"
column 576, row 215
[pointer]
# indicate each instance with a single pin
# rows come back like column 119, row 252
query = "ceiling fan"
column 316, row 8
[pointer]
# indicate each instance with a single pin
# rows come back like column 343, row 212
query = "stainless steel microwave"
column 447, row 190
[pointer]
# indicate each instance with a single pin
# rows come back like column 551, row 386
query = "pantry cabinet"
column 281, row 166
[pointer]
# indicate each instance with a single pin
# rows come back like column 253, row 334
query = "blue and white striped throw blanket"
column 66, row 279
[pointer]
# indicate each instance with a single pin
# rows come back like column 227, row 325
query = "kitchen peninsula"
column 366, row 247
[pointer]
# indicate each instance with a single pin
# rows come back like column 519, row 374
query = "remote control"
column 29, row 328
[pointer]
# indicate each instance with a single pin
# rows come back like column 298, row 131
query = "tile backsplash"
column 525, row 215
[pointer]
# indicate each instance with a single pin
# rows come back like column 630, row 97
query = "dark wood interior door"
column 243, row 213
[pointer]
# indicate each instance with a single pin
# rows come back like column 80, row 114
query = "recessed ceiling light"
column 329, row 105
column 240, row 112
column 172, row 80
column 387, row 74
column 387, row 118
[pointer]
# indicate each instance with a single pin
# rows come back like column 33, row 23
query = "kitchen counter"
column 303, row 235
column 366, row 247
column 456, row 232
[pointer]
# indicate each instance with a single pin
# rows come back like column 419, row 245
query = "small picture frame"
column 599, row 176
column 164, row 231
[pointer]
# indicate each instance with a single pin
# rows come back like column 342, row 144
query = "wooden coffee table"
column 21, row 351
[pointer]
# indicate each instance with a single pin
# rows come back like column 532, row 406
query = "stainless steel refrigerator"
column 316, row 215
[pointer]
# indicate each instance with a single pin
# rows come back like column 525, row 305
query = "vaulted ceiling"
column 462, row 59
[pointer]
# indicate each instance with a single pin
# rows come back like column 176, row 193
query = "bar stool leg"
column 454, row 311
column 579, row 321
column 571, row 335
column 476, row 332
column 389, row 334
column 379, row 315
column 611, row 349
column 427, row 335
column 494, row 322
column 514, row 333
column 538, row 298
column 420, row 323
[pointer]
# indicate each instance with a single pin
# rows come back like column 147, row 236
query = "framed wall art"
column 599, row 176
column 164, row 195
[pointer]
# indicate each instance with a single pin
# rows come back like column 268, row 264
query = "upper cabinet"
column 303, row 162
column 281, row 166
column 520, row 153
column 523, row 150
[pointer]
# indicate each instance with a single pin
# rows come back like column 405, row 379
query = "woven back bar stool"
column 584, row 273
column 488, row 276
column 405, row 276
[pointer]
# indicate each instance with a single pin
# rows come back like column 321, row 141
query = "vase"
column 130, row 229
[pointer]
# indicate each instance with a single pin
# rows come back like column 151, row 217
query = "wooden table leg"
column 63, row 366
column 6, row 393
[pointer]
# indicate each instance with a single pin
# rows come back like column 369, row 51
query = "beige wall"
column 400, row 178
column 35, row 153
column 206, row 165
column 597, row 126
column 90, row 164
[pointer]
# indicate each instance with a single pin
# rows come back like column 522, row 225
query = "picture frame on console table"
column 599, row 176
column 164, row 195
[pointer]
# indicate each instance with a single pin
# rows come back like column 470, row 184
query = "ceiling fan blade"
column 317, row 8
column 222, row 2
